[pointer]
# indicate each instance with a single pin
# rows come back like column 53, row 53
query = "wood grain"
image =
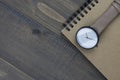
column 9, row 72
column 61, row 9
column 34, row 44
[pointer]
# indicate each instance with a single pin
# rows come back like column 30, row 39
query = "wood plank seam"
column 17, row 69
column 27, row 18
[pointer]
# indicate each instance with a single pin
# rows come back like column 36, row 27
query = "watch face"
column 87, row 37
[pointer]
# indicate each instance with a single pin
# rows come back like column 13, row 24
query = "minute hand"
column 110, row 14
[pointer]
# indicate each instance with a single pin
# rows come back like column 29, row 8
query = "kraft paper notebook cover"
column 106, row 57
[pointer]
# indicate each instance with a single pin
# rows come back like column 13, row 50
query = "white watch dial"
column 87, row 37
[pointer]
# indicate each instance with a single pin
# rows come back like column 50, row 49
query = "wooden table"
column 32, row 46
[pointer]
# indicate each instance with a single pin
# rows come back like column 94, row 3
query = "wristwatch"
column 87, row 37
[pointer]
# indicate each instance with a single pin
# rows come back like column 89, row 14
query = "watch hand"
column 86, row 35
column 89, row 37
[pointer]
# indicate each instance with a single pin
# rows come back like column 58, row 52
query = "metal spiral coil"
column 80, row 13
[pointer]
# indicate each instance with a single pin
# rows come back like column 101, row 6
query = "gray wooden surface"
column 9, row 72
column 31, row 41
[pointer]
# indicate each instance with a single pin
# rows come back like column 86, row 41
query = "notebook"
column 105, row 57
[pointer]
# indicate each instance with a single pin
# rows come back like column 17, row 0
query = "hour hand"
column 88, row 37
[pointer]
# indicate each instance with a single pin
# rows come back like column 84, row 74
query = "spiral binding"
column 87, row 6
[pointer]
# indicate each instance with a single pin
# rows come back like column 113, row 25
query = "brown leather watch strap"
column 110, row 14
